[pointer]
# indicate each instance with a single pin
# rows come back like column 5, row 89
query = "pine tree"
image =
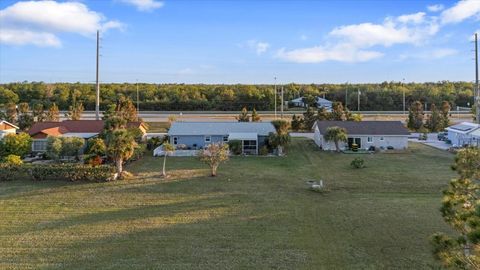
column 255, row 116
column 309, row 118
column 434, row 121
column 338, row 113
column 11, row 113
column 415, row 116
column 75, row 112
column 243, row 116
column 461, row 210
column 38, row 112
column 323, row 114
column 53, row 114
column 297, row 122
column 445, row 114
column 25, row 119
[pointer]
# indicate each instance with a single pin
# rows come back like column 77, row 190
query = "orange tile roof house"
column 69, row 128
column 7, row 128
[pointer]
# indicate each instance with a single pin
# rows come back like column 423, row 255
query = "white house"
column 320, row 102
column 465, row 133
column 7, row 128
column 365, row 134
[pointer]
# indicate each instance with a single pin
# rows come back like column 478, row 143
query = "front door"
column 357, row 141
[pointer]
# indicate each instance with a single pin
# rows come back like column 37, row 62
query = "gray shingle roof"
column 366, row 127
column 220, row 128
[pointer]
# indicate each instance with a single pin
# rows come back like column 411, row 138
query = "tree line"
column 384, row 96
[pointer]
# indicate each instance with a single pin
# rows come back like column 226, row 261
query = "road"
column 162, row 116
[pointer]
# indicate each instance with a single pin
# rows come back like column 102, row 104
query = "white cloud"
column 144, row 5
column 303, row 37
column 461, row 11
column 339, row 52
column 259, row 46
column 415, row 18
column 32, row 20
column 437, row 53
column 435, row 8
column 23, row 37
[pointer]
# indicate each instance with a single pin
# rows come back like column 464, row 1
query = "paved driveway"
column 431, row 141
column 309, row 135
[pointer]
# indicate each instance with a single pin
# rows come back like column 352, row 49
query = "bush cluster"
column 358, row 163
column 60, row 172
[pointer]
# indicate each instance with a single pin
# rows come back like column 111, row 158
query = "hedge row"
column 60, row 172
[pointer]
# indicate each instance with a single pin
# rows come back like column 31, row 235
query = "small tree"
column 461, row 209
column 53, row 114
column 415, row 116
column 75, row 112
column 279, row 141
column 338, row 112
column 255, row 116
column 120, row 147
column 214, row 154
column 96, row 146
column 71, row 146
column 445, row 114
column 296, row 122
column 25, row 119
column 336, row 135
column 167, row 149
column 309, row 118
column 11, row 113
column 434, row 121
column 54, row 148
column 38, row 112
column 243, row 116
column 15, row 144
column 323, row 114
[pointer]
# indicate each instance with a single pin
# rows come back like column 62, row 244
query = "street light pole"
column 138, row 100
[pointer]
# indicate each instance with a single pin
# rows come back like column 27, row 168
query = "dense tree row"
column 384, row 96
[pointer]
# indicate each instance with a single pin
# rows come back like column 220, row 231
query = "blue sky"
column 238, row 41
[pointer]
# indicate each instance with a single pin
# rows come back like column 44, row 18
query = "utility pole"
column 97, row 99
column 403, row 86
column 275, row 96
column 476, row 79
column 281, row 115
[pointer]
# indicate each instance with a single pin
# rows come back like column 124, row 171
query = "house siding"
column 397, row 142
column 199, row 140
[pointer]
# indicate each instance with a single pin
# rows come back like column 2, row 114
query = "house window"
column 369, row 139
column 39, row 146
column 175, row 140
column 208, row 139
column 225, row 138
column 381, row 138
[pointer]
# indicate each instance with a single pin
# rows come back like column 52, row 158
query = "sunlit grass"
column 257, row 214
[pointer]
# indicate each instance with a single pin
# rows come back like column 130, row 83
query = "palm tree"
column 336, row 134
column 120, row 147
column 279, row 140
column 167, row 149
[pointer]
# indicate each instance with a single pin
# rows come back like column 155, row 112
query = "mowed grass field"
column 257, row 214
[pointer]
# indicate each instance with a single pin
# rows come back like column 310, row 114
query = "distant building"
column 7, row 128
column 464, row 134
column 197, row 135
column 320, row 103
column 365, row 134
column 69, row 128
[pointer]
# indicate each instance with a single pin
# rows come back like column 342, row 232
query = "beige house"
column 7, row 128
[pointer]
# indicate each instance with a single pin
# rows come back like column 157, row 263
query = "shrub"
column 13, row 160
column 358, row 163
column 15, row 144
column 94, row 161
column 263, row 150
column 235, row 147
column 10, row 172
column 71, row 172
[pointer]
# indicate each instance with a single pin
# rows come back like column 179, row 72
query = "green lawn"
column 257, row 214
column 158, row 126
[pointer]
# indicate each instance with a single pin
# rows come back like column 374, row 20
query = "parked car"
column 442, row 136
